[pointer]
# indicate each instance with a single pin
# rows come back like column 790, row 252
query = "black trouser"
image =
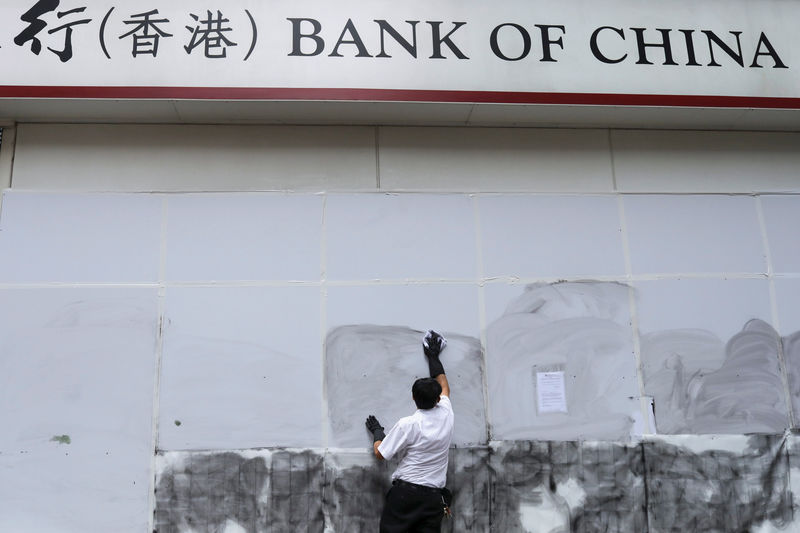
column 412, row 508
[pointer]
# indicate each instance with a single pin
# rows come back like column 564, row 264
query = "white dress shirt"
column 424, row 438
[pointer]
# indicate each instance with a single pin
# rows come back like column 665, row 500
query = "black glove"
column 374, row 427
column 432, row 345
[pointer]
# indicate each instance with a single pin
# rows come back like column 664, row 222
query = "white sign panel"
column 551, row 395
column 732, row 53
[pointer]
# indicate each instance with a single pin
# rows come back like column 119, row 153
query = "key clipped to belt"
column 447, row 512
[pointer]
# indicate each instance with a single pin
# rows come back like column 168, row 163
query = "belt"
column 415, row 486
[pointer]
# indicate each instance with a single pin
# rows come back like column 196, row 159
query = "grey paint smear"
column 703, row 386
column 370, row 370
column 510, row 487
column 581, row 328
column 791, row 354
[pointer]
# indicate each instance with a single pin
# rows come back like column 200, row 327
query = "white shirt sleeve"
column 444, row 401
column 396, row 440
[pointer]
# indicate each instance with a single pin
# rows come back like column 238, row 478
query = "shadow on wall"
column 672, row 484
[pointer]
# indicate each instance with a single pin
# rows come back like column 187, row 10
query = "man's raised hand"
column 374, row 427
column 433, row 343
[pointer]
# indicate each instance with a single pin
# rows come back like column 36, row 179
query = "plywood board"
column 227, row 237
column 241, row 368
column 76, row 385
column 782, row 218
column 79, row 238
column 694, row 233
column 551, row 236
column 710, row 357
column 580, row 329
column 380, row 236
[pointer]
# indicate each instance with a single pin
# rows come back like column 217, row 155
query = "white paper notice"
column 550, row 392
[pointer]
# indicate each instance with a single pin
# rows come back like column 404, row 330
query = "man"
column 418, row 501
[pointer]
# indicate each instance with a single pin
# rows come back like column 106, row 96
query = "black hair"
column 426, row 392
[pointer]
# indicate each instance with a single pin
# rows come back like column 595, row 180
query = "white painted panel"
column 382, row 236
column 782, row 219
column 77, row 365
column 193, row 158
column 442, row 307
column 677, row 234
column 241, row 368
column 79, row 237
column 244, row 237
column 579, row 328
column 703, row 161
column 787, row 294
column 374, row 354
column 461, row 159
column 550, row 236
column 719, row 306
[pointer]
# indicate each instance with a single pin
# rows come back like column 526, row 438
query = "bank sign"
column 726, row 53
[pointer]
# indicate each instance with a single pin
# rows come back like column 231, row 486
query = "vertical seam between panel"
column 773, row 300
column 174, row 105
column 7, row 163
column 468, row 121
column 323, row 319
column 482, row 311
column 162, row 268
column 644, row 404
column 612, row 162
column 378, row 157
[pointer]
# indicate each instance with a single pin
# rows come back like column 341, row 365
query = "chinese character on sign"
column 146, row 33
column 210, row 33
column 36, row 24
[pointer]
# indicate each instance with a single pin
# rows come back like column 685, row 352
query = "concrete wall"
column 214, row 291
column 307, row 158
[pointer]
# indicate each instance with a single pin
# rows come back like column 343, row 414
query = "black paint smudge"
column 718, row 491
column 208, row 490
column 354, row 494
column 654, row 486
